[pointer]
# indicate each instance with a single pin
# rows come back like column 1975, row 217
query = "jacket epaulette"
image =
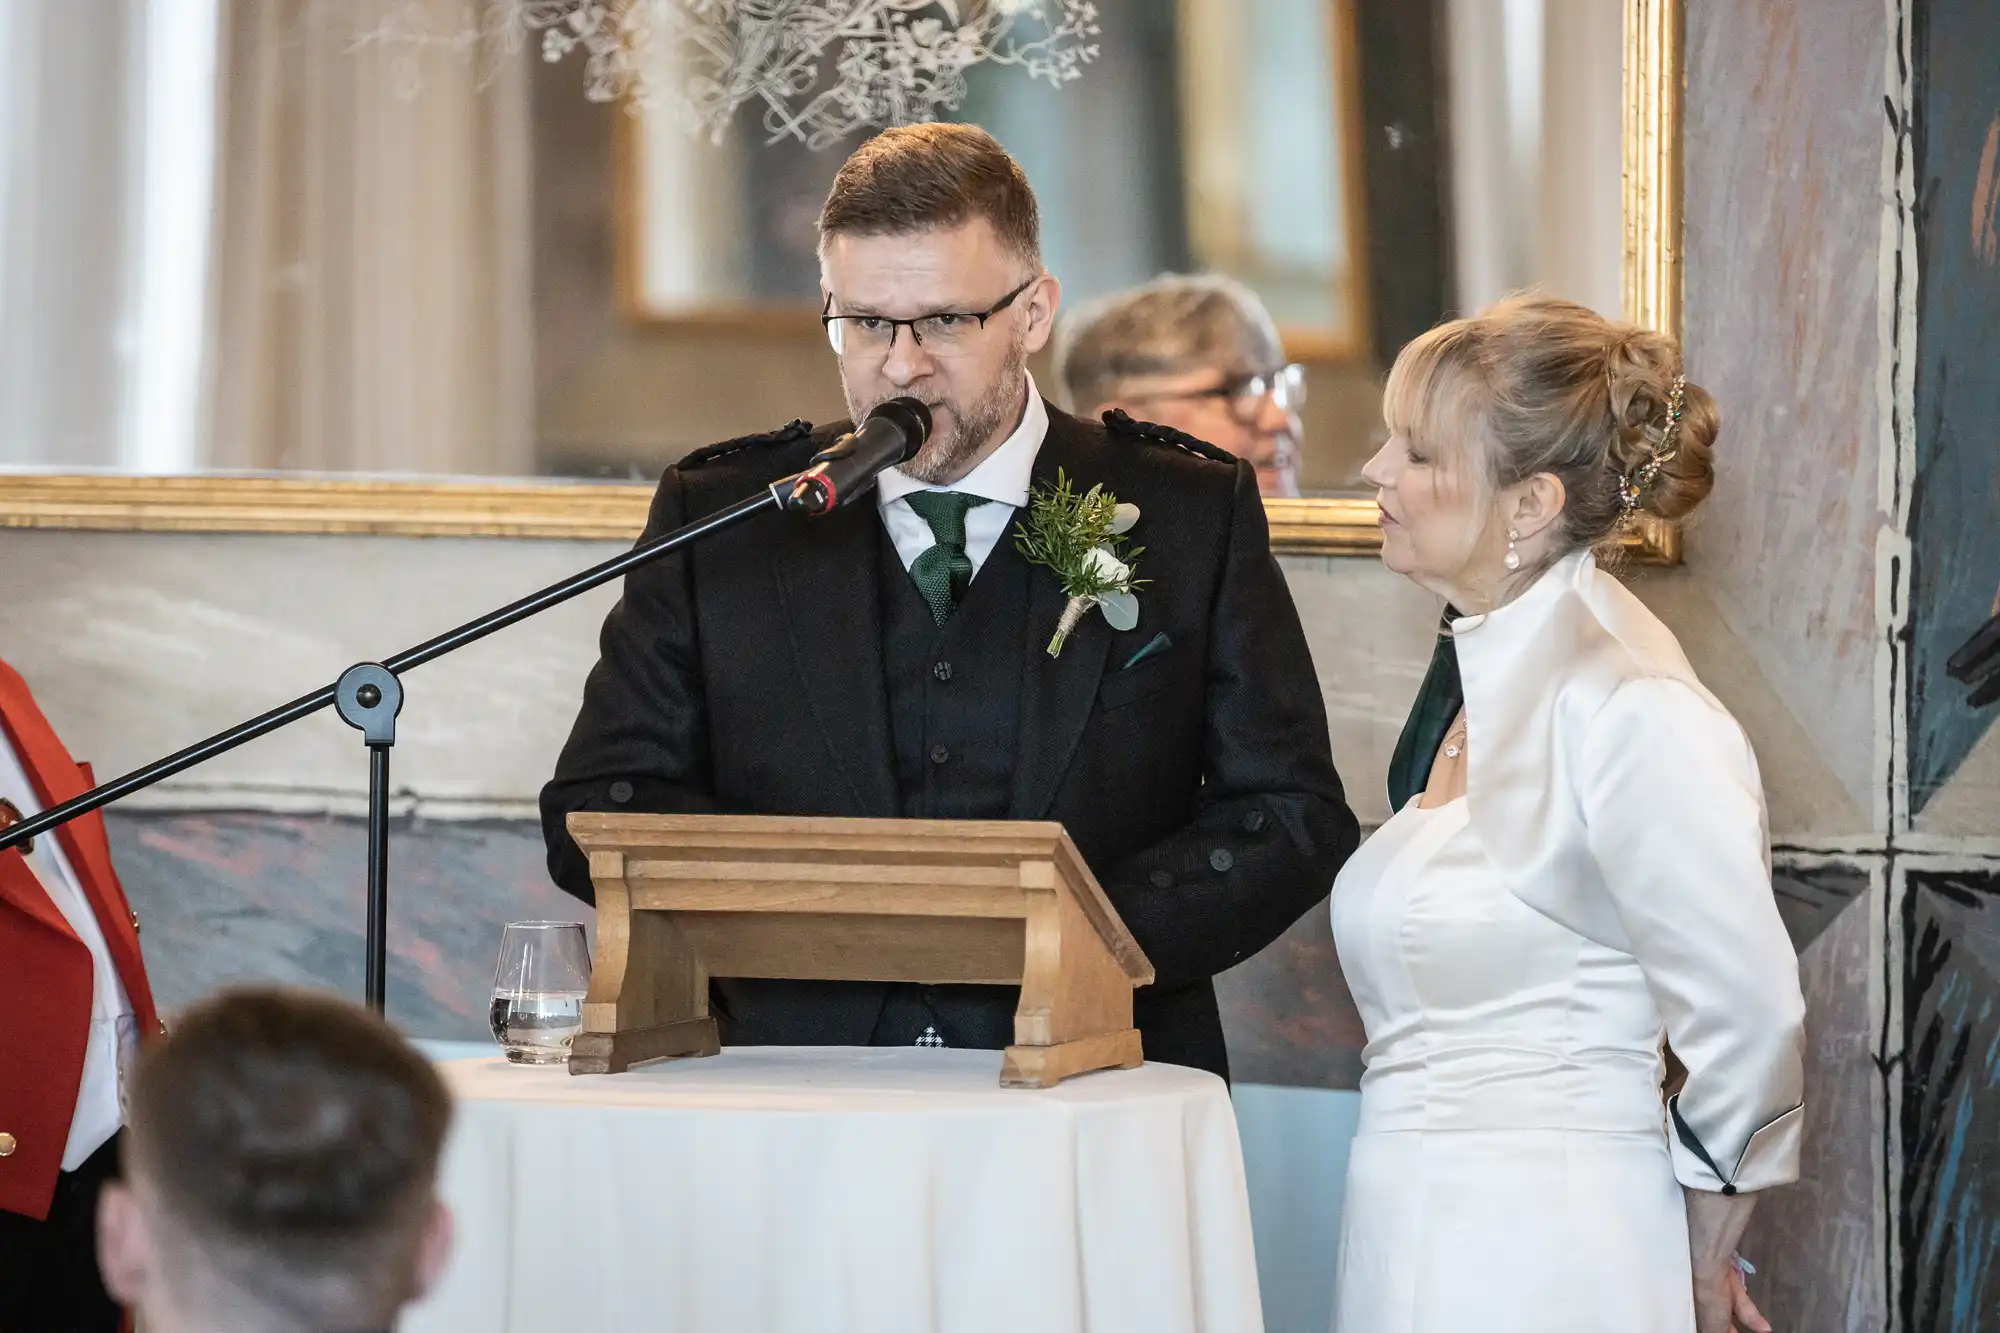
column 797, row 430
column 1118, row 423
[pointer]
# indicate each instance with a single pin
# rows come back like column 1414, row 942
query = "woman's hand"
column 1721, row 1302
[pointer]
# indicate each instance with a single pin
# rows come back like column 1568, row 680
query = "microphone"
column 891, row 434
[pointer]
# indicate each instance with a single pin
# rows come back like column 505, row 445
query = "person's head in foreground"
column 1531, row 431
column 280, row 1172
column 931, row 268
column 1199, row 354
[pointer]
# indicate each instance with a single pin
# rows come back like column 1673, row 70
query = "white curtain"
column 231, row 236
column 1536, row 145
column 372, row 300
column 106, row 138
column 1581, row 240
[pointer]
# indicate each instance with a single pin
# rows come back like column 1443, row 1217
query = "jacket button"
column 1254, row 821
column 942, row 671
column 621, row 791
column 7, row 1144
column 940, row 754
column 1221, row 859
column 1161, row 879
column 135, row 922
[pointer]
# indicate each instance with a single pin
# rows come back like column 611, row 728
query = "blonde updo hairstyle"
column 1538, row 384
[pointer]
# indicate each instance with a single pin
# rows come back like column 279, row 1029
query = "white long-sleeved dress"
column 1517, row 957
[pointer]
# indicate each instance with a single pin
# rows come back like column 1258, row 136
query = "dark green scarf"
column 1438, row 702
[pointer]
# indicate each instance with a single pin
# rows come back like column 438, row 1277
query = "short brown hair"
column 1538, row 384
column 292, row 1140
column 1173, row 324
column 931, row 177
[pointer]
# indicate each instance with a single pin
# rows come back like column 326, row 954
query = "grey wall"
column 1785, row 310
column 137, row 643
column 1842, row 287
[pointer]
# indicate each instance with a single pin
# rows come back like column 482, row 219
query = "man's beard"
column 950, row 453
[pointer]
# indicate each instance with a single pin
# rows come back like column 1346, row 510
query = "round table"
column 842, row 1190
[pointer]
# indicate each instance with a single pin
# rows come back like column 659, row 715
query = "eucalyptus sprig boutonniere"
column 1081, row 538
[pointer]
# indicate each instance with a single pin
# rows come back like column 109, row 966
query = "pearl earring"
column 1513, row 560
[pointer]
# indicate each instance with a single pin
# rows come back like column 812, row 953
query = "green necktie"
column 1438, row 701
column 943, row 573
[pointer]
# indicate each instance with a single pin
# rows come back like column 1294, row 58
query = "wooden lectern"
column 682, row 898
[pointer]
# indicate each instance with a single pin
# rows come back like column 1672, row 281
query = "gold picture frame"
column 1205, row 26
column 1343, row 525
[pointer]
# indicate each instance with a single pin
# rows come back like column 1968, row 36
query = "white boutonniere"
column 1082, row 538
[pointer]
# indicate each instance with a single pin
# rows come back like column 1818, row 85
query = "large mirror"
column 427, row 295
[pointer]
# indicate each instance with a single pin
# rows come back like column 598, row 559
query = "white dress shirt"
column 1002, row 477
column 98, row 1110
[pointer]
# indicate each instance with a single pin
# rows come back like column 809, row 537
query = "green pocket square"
column 1158, row 644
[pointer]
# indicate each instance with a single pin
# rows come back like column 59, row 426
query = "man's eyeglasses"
column 947, row 333
column 1245, row 395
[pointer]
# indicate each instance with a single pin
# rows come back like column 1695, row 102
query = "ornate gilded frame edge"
column 1339, row 525
column 325, row 505
column 1655, row 91
column 1655, row 82
column 1344, row 525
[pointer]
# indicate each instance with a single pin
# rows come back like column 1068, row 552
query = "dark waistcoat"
column 954, row 690
column 954, row 714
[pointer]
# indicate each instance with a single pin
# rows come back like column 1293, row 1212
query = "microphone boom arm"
column 451, row 640
column 379, row 697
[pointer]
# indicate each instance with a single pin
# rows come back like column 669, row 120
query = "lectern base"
column 1046, row 1066
column 616, row 1052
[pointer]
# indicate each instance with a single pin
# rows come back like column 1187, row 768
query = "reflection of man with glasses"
column 1199, row 354
column 889, row 660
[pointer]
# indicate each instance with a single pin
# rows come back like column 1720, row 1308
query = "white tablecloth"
column 840, row 1190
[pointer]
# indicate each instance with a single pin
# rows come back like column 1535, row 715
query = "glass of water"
column 538, row 990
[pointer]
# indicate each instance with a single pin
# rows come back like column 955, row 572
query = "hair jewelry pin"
column 1632, row 485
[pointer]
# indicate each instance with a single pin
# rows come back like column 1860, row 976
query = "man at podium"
column 894, row 659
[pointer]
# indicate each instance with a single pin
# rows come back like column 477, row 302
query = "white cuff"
column 1771, row 1157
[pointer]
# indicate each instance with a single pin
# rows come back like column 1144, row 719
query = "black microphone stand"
column 369, row 695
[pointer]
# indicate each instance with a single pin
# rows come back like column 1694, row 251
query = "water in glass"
column 536, row 1028
column 538, row 990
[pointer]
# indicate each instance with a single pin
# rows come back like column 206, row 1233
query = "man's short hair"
column 290, row 1143
column 933, row 177
column 1168, row 326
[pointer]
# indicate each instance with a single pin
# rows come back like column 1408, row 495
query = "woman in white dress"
column 1579, row 872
